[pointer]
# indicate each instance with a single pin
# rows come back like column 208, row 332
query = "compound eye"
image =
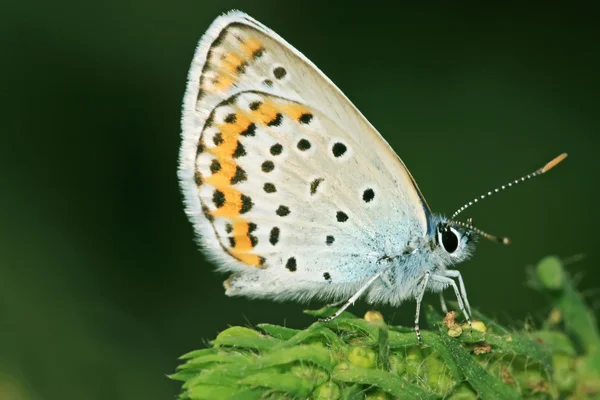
column 449, row 239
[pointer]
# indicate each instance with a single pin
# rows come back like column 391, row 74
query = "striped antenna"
column 540, row 171
column 493, row 238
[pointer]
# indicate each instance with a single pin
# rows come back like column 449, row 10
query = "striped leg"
column 452, row 273
column 443, row 303
column 353, row 298
column 419, row 300
column 335, row 304
column 449, row 282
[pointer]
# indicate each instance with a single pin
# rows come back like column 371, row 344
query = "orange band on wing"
column 249, row 258
column 294, row 111
column 232, row 63
column 266, row 113
column 250, row 47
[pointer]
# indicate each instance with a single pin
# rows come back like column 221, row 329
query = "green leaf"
column 248, row 394
column 314, row 353
column 328, row 311
column 353, row 392
column 398, row 339
column 222, row 357
column 579, row 319
column 485, row 384
column 210, row 392
column 239, row 336
column 555, row 342
column 390, row 383
column 183, row 376
column 279, row 332
column 351, row 358
column 491, row 325
column 198, row 353
column 508, row 342
column 383, row 345
column 521, row 344
column 316, row 331
column 356, row 327
column 283, row 382
column 430, row 339
column 218, row 377
column 550, row 273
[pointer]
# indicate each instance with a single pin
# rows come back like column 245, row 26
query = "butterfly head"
column 454, row 240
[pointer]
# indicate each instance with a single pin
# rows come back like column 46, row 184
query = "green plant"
column 353, row 358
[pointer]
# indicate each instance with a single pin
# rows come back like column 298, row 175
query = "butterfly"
column 295, row 193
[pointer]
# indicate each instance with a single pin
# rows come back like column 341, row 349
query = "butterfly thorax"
column 433, row 252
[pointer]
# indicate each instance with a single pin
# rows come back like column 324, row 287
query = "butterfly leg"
column 443, row 303
column 353, row 298
column 451, row 273
column 449, row 282
column 419, row 300
column 335, row 304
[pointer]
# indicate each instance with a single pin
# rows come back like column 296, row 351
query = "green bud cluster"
column 355, row 358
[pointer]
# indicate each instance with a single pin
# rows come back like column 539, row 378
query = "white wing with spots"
column 286, row 183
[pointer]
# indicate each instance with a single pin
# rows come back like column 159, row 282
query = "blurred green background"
column 101, row 284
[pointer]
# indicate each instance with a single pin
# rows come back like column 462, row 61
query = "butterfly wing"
column 286, row 183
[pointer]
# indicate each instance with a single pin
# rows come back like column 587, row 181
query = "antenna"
column 537, row 172
column 493, row 238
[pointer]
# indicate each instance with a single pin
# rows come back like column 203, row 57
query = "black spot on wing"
column 291, row 264
column 240, row 69
column 240, row 150
column 253, row 240
column 279, row 73
column 207, row 214
column 274, row 236
column 276, row 121
column 283, row 211
column 198, row 178
column 250, row 130
column 246, row 204
column 267, row 166
column 258, row 53
column 218, row 199
column 314, row 185
column 215, row 166
column 341, row 216
column 218, row 138
column 303, row 145
column 305, row 118
column 269, row 187
column 368, row 195
column 276, row 149
column 338, row 149
column 231, row 118
column 240, row 175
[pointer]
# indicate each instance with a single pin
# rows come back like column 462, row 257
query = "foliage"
column 352, row 358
